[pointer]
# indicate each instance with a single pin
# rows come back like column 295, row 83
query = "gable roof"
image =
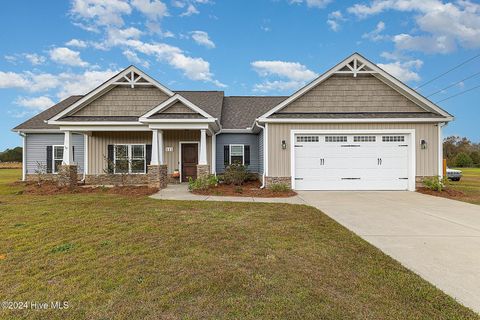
column 357, row 64
column 170, row 102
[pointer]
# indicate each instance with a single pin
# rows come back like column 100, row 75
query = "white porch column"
column 160, row 147
column 67, row 149
column 155, row 157
column 203, row 147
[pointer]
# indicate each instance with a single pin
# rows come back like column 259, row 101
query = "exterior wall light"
column 284, row 145
column 423, row 144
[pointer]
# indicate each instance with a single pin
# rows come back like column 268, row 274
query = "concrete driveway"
column 437, row 238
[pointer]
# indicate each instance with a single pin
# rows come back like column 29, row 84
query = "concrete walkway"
column 180, row 192
column 437, row 238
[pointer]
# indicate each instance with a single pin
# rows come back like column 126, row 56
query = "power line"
column 458, row 94
column 454, row 84
column 448, row 71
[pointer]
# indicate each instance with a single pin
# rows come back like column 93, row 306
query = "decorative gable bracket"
column 355, row 66
column 132, row 79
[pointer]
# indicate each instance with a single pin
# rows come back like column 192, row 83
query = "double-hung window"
column 237, row 154
column 57, row 158
column 129, row 158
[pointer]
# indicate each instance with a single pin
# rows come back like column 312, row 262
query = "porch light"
column 284, row 145
column 423, row 144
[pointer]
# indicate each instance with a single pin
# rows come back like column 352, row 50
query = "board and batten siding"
column 344, row 93
column 250, row 139
column 98, row 143
column 261, row 157
column 279, row 159
column 36, row 149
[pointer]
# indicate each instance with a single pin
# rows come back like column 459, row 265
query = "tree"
column 463, row 160
column 475, row 155
column 11, row 155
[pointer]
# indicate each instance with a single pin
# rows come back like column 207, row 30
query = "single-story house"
column 355, row 127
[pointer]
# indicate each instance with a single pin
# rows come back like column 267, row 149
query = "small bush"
column 62, row 248
column 279, row 187
column 202, row 183
column 463, row 160
column 235, row 174
column 434, row 184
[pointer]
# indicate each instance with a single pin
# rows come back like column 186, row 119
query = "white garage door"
column 351, row 162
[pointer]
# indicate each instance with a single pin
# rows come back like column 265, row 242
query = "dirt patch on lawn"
column 448, row 193
column 51, row 188
column 248, row 189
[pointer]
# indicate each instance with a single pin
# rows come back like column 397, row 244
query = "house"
column 355, row 127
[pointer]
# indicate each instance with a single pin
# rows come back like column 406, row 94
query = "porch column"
column 155, row 158
column 67, row 149
column 157, row 170
column 67, row 173
column 203, row 147
column 160, row 147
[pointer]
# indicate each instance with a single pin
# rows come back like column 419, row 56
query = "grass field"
column 119, row 257
column 469, row 184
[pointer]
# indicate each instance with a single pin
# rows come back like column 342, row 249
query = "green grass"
column 469, row 184
column 115, row 257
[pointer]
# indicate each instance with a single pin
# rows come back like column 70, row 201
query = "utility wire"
column 454, row 84
column 448, row 71
column 458, row 94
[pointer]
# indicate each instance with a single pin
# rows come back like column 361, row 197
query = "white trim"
column 352, row 120
column 213, row 164
column 178, row 126
column 105, row 86
column 411, row 153
column 95, row 123
column 54, row 171
column 230, row 152
column 180, row 154
column 104, row 128
column 203, row 147
column 36, row 130
column 85, row 154
column 375, row 69
column 265, row 153
column 209, row 120
column 129, row 157
column 440, row 150
column 169, row 102
column 24, row 157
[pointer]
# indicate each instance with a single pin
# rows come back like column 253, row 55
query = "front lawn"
column 469, row 185
column 121, row 257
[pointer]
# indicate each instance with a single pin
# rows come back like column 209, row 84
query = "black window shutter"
column 246, row 155
column 73, row 154
column 110, row 158
column 49, row 158
column 148, row 155
column 226, row 155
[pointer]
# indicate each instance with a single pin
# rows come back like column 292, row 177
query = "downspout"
column 24, row 155
column 440, row 148
column 264, row 156
column 85, row 157
column 214, row 145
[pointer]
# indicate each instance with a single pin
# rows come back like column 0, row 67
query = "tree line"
column 11, row 155
column 461, row 152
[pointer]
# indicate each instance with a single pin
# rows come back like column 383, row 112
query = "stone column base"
column 275, row 180
column 67, row 176
column 203, row 170
column 157, row 176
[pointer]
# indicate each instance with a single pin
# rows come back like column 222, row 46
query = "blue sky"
column 272, row 47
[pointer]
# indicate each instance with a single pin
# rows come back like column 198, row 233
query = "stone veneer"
column 274, row 180
column 203, row 170
column 67, row 176
column 157, row 176
column 116, row 179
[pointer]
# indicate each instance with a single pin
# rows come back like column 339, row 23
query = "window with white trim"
column 393, row 138
column 364, row 138
column 237, row 154
column 336, row 139
column 129, row 158
column 307, row 139
column 57, row 158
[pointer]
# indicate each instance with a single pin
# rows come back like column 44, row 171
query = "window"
column 237, row 154
column 364, row 138
column 57, row 158
column 129, row 158
column 336, row 139
column 393, row 138
column 307, row 139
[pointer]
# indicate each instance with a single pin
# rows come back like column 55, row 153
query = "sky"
column 53, row 49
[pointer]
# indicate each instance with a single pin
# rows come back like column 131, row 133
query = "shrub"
column 279, row 187
column 235, row 174
column 202, row 183
column 434, row 183
column 463, row 160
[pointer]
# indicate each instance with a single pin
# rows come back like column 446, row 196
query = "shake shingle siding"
column 226, row 139
column 36, row 145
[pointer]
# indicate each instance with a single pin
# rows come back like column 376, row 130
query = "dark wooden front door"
column 189, row 161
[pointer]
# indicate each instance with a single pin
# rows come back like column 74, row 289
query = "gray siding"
column 36, row 145
column 238, row 138
column 260, row 152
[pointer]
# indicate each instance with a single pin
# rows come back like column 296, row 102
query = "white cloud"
column 403, row 70
column 103, row 12
column 191, row 10
column 375, row 34
column 74, row 84
column 37, row 103
column 34, row 58
column 67, row 56
column 202, row 38
column 13, row 80
column 133, row 58
column 293, row 75
column 76, row 43
column 153, row 10
column 312, row 3
column 444, row 25
column 334, row 20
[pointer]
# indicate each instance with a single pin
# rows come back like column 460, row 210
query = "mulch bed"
column 447, row 193
column 248, row 189
column 50, row 188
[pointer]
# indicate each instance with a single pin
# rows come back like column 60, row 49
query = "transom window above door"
column 129, row 158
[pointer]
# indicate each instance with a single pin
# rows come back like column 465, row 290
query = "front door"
column 189, row 161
